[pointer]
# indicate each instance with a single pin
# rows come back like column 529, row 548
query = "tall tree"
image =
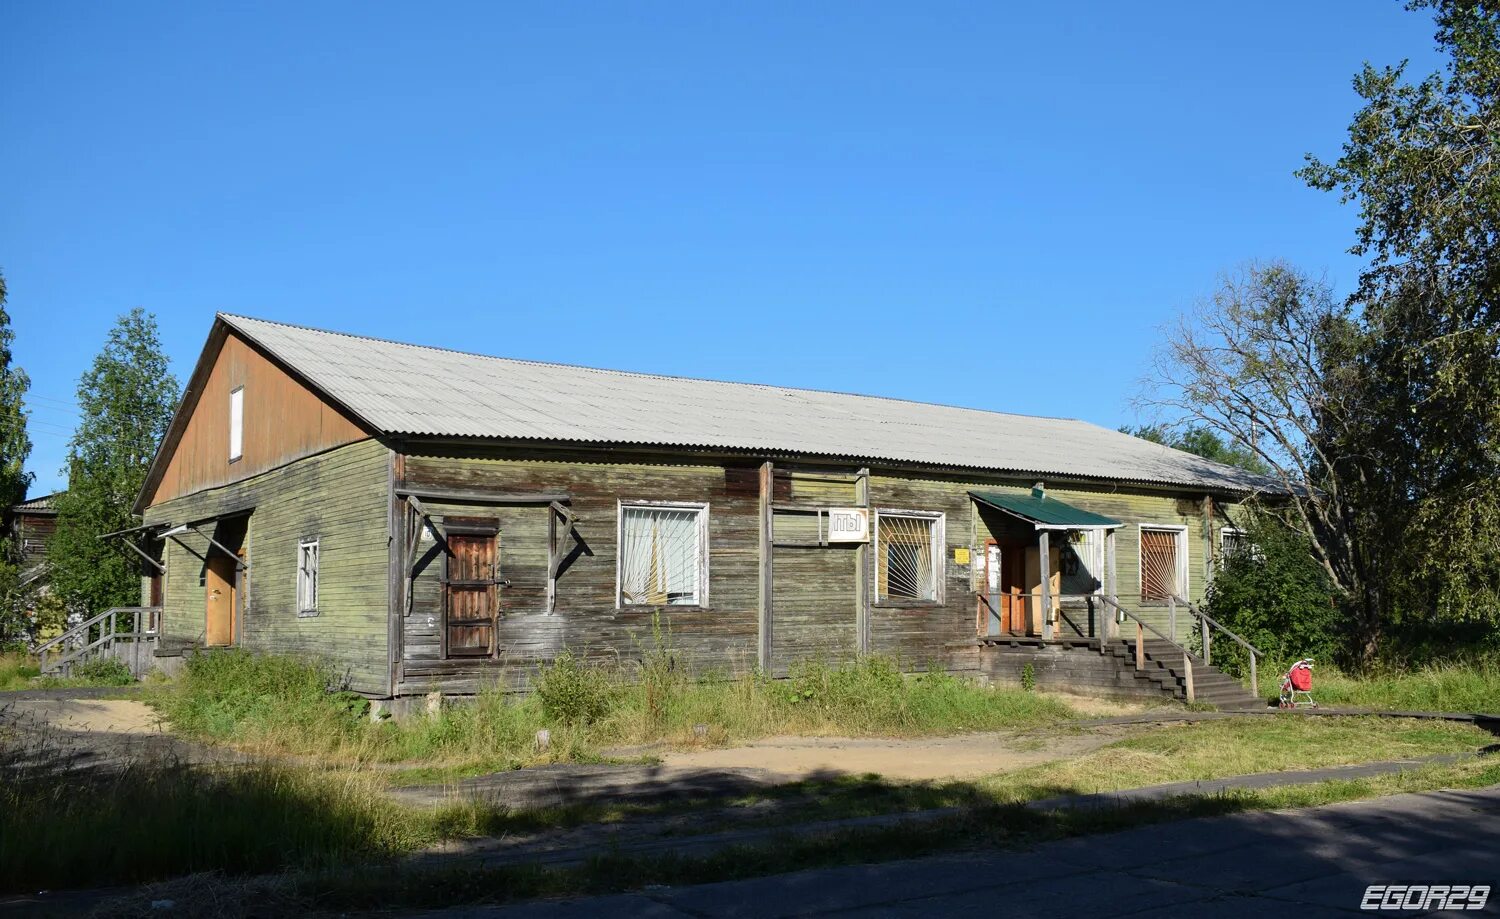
column 126, row 398
column 1264, row 363
column 1422, row 161
column 15, row 447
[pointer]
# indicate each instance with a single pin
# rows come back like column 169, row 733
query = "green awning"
column 1043, row 511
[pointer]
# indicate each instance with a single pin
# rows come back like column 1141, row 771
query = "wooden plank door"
column 472, row 594
column 219, row 597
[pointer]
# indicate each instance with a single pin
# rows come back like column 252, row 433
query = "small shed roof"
column 41, row 504
column 412, row 390
column 1044, row 511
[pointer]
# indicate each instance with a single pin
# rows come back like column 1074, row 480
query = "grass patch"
column 1472, row 686
column 981, row 827
column 1241, row 746
column 17, row 671
column 283, row 705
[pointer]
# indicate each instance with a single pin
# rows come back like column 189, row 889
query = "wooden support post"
column 1110, row 624
column 1140, row 646
column 1172, row 616
column 862, row 568
column 552, row 557
column 767, row 584
column 1206, row 638
column 1254, row 680
column 1044, row 565
column 1187, row 675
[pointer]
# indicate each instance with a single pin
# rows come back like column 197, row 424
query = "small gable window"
column 236, row 423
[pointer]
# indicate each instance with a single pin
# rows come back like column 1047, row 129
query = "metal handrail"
column 1205, row 620
column 1141, row 627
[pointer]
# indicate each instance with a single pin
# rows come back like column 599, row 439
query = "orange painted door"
column 219, row 600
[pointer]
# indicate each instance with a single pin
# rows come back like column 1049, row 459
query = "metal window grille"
column 907, row 558
column 661, row 556
column 1158, row 565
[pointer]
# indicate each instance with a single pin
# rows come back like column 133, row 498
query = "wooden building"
column 434, row 520
column 31, row 525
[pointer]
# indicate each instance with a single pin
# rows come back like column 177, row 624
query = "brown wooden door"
column 219, row 600
column 472, row 594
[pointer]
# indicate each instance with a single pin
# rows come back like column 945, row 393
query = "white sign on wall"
column 848, row 524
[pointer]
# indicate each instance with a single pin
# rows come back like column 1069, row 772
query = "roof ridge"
column 233, row 317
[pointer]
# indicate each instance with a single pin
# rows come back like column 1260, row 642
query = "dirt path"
column 920, row 759
column 80, row 731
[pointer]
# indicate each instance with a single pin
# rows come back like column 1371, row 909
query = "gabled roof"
column 413, row 390
column 1043, row 511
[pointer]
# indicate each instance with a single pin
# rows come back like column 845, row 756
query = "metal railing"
column 1141, row 628
column 80, row 643
column 1205, row 624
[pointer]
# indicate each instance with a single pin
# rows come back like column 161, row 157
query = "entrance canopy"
column 1043, row 512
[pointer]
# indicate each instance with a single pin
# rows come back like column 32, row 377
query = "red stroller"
column 1296, row 686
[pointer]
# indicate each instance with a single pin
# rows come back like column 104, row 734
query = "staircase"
column 125, row 633
column 1164, row 668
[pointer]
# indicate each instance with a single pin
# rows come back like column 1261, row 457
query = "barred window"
column 663, row 555
column 909, row 554
column 1163, row 573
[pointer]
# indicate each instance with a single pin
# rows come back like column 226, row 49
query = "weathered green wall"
column 341, row 497
column 815, row 609
column 719, row 636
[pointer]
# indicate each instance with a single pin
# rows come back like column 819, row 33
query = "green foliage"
column 15, row 444
column 1422, row 162
column 1275, row 595
column 573, row 692
column 1457, row 686
column 239, row 695
column 1200, row 440
column 127, row 398
column 63, row 828
column 283, row 704
column 103, row 671
column 17, row 670
column 1028, row 677
column 15, row 447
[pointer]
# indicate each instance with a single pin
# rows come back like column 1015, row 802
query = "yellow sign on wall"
column 961, row 555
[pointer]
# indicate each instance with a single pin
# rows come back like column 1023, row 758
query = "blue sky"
column 991, row 205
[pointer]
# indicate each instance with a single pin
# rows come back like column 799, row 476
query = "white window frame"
column 236, row 423
column 304, row 607
column 702, row 509
column 1184, row 582
column 939, row 544
column 1241, row 533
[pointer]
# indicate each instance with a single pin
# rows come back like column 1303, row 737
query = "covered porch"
column 1044, row 569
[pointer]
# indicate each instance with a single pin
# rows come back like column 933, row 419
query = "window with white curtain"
column 663, row 555
column 909, row 556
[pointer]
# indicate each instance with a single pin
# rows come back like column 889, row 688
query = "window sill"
column 665, row 607
column 909, row 604
column 307, row 613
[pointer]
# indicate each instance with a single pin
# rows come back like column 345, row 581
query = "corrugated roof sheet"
column 415, row 390
column 1044, row 510
column 42, row 504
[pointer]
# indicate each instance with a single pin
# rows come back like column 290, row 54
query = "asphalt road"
column 1313, row 862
